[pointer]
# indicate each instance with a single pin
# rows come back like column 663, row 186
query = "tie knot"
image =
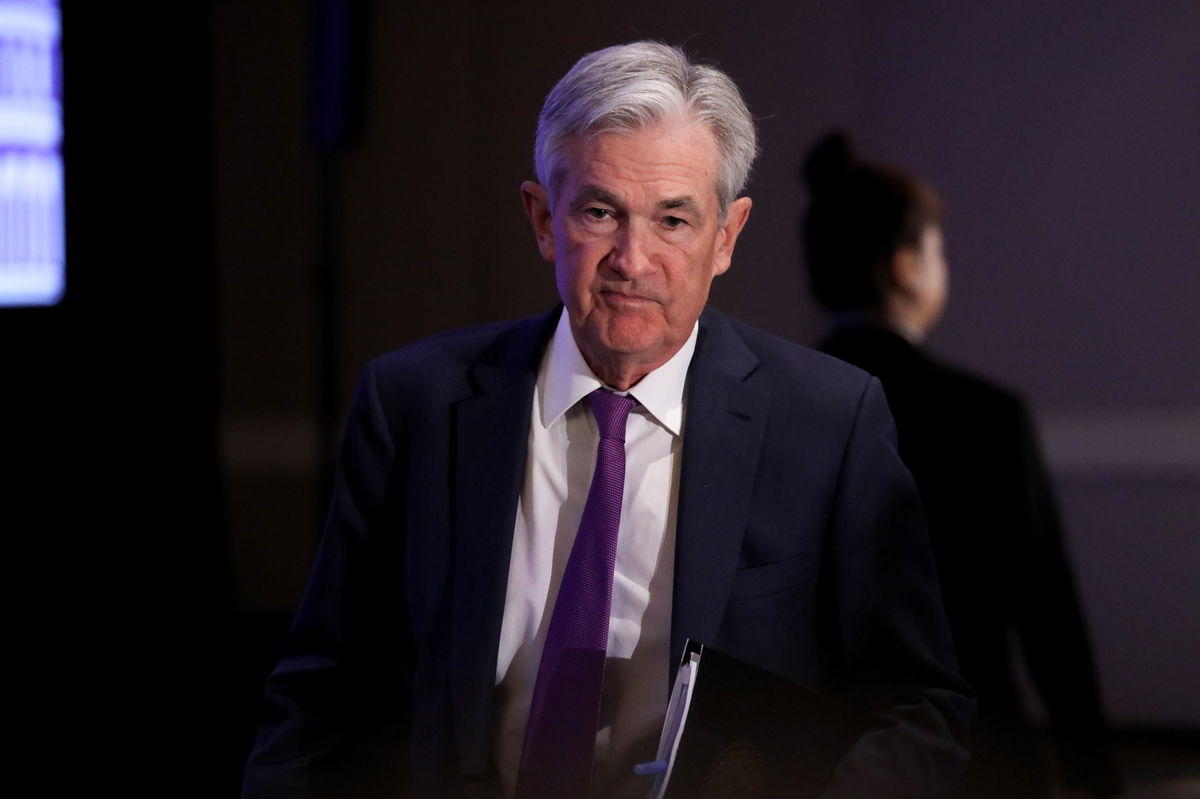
column 611, row 410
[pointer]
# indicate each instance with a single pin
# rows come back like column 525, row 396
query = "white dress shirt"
column 562, row 454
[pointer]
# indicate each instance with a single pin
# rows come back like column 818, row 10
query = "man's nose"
column 631, row 255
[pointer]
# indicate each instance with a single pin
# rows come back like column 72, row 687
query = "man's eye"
column 597, row 213
column 673, row 222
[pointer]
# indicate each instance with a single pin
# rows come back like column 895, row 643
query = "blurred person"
column 872, row 238
column 428, row 635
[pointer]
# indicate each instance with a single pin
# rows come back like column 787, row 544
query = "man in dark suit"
column 764, row 510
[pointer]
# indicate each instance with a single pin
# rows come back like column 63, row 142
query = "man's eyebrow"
column 594, row 194
column 686, row 202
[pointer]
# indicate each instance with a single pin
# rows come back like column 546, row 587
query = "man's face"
column 636, row 242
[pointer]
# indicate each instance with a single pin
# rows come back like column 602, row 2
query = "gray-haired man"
column 763, row 508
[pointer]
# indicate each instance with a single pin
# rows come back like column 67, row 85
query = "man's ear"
column 735, row 220
column 537, row 208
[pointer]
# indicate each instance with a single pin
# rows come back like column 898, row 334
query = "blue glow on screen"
column 32, row 237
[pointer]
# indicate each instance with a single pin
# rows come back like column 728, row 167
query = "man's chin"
column 630, row 335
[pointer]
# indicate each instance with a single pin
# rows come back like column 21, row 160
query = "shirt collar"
column 566, row 379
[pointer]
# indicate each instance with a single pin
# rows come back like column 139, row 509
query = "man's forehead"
column 677, row 168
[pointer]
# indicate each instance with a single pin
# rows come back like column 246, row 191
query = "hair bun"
column 829, row 163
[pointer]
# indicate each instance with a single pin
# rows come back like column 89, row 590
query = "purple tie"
column 560, row 736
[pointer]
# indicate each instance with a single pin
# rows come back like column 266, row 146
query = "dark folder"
column 735, row 731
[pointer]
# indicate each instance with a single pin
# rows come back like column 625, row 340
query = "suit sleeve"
column 887, row 626
column 336, row 705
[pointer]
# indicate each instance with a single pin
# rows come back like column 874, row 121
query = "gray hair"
column 628, row 87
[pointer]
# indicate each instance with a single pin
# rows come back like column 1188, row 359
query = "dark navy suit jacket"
column 801, row 547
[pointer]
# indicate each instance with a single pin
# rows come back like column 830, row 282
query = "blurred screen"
column 32, row 238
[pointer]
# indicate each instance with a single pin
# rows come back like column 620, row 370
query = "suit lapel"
column 723, row 431
column 491, row 432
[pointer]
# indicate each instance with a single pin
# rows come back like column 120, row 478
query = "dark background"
column 229, row 273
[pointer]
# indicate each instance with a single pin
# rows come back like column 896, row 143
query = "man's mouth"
column 625, row 299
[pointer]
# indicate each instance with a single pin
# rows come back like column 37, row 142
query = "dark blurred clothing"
column 998, row 544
